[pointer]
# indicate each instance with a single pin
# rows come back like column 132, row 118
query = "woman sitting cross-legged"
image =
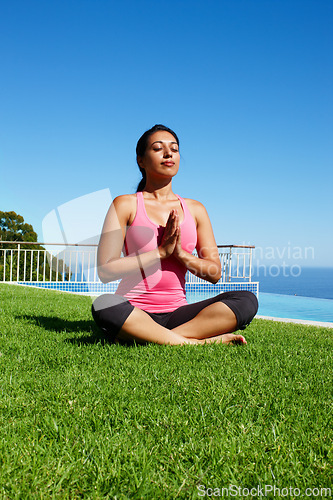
column 157, row 231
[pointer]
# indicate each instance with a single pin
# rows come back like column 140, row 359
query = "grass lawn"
column 82, row 418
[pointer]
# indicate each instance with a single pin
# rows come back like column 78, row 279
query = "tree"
column 26, row 262
column 13, row 228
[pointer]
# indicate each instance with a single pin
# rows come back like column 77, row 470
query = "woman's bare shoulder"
column 124, row 206
column 125, row 199
column 198, row 212
column 195, row 205
column 125, row 202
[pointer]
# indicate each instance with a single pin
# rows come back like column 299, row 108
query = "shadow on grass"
column 59, row 325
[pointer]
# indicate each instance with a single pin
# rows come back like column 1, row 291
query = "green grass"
column 82, row 418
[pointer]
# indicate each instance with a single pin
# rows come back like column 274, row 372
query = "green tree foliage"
column 24, row 262
column 13, row 228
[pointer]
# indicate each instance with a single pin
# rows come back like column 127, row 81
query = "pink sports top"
column 161, row 287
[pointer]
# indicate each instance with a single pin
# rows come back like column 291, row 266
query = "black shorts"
column 110, row 311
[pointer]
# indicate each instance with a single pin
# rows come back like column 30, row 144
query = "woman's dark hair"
column 142, row 146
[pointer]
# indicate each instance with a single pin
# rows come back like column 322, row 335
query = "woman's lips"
column 168, row 163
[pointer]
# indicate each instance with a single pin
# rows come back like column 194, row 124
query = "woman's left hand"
column 178, row 248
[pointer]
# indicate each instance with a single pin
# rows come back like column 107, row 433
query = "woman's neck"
column 159, row 191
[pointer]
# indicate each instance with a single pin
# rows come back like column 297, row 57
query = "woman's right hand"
column 170, row 235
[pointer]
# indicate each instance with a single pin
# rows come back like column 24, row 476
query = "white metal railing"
column 236, row 263
column 31, row 262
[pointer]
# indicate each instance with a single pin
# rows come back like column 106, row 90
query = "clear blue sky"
column 246, row 84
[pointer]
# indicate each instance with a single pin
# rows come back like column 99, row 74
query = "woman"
column 157, row 232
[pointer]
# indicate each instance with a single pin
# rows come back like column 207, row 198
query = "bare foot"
column 229, row 338
column 225, row 338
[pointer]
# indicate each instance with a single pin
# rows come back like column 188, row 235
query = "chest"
column 158, row 212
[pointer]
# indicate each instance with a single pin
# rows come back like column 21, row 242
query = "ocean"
column 303, row 281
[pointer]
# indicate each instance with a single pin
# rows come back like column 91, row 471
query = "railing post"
column 37, row 265
column 18, row 263
column 250, row 266
column 63, row 267
column 4, row 264
column 95, row 265
column 25, row 263
column 230, row 263
column 69, row 266
column 44, row 266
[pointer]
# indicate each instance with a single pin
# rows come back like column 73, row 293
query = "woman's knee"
column 250, row 299
column 110, row 311
column 243, row 303
column 249, row 307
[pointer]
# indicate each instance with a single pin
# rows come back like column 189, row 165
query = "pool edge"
column 298, row 321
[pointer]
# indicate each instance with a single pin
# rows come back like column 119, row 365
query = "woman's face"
column 161, row 158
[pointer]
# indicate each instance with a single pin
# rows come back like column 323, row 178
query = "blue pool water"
column 295, row 307
column 288, row 306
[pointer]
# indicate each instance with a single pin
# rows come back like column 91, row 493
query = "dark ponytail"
column 142, row 146
column 142, row 183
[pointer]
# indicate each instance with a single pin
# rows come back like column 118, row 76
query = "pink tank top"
column 159, row 288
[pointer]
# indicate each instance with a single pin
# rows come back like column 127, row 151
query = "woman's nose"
column 167, row 152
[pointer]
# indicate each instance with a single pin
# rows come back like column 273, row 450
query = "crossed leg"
column 214, row 323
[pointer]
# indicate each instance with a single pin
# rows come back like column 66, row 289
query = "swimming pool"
column 288, row 306
column 295, row 307
column 270, row 304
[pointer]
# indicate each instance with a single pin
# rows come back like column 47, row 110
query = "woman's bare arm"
column 111, row 265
